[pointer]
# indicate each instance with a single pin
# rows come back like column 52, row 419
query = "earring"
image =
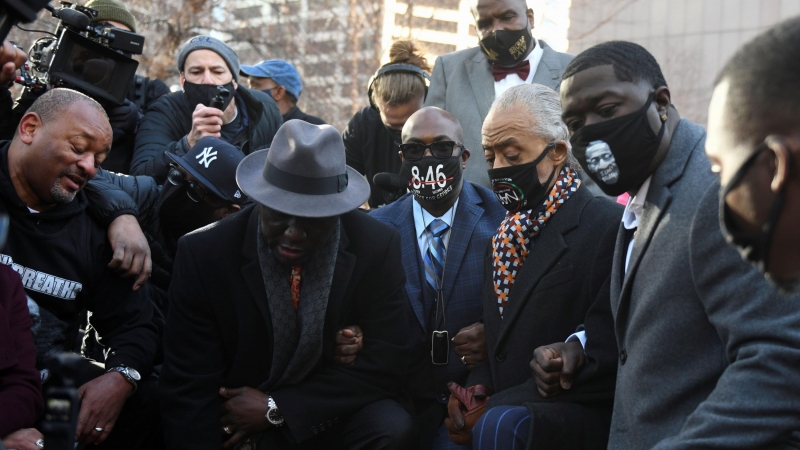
column 664, row 116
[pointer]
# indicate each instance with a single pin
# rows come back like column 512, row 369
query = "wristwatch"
column 273, row 415
column 131, row 375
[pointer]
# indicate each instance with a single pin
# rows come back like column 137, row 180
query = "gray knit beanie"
column 216, row 46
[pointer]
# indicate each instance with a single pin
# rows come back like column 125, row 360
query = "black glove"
column 124, row 118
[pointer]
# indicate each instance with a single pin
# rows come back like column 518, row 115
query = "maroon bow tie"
column 522, row 70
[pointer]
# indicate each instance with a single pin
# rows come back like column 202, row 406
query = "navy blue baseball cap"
column 213, row 163
column 281, row 72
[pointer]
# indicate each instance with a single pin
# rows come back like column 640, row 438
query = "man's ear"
column 465, row 154
column 183, row 80
column 280, row 93
column 786, row 164
column 235, row 84
column 559, row 153
column 28, row 126
column 230, row 210
column 663, row 99
column 530, row 15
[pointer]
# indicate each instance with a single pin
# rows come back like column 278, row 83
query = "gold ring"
column 464, row 360
column 227, row 429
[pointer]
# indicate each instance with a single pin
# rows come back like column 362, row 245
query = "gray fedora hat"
column 303, row 173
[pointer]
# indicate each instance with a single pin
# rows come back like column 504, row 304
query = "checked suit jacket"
column 477, row 218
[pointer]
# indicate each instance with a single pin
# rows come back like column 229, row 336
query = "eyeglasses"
column 195, row 191
column 441, row 150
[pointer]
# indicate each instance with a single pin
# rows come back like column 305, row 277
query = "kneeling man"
column 256, row 300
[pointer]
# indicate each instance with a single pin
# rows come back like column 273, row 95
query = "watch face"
column 133, row 373
column 274, row 416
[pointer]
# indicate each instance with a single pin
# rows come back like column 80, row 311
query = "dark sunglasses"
column 195, row 191
column 441, row 150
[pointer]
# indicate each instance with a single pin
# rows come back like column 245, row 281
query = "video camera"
column 15, row 11
column 92, row 58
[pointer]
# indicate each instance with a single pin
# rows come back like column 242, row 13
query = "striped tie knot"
column 438, row 227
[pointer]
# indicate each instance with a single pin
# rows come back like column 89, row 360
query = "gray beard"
column 59, row 194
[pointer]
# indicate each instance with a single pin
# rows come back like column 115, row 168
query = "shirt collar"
column 635, row 206
column 423, row 218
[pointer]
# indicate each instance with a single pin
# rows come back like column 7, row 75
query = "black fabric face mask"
column 753, row 247
column 205, row 93
column 178, row 214
column 507, row 48
column 617, row 153
column 433, row 180
column 518, row 187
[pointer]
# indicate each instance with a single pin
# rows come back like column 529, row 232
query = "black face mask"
column 178, row 214
column 518, row 187
column 204, row 94
column 753, row 247
column 433, row 180
column 617, row 153
column 507, row 48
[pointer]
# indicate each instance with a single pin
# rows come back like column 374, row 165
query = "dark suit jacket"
column 219, row 330
column 563, row 283
column 476, row 220
column 708, row 351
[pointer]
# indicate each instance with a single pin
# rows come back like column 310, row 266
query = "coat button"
column 623, row 356
column 500, row 357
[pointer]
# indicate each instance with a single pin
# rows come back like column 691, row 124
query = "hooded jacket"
column 62, row 257
column 169, row 120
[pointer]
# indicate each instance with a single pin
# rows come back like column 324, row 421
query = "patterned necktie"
column 513, row 241
column 434, row 257
column 294, row 282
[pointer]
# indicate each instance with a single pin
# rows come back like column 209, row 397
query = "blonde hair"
column 397, row 88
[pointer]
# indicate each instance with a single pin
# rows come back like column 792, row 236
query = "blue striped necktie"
column 434, row 257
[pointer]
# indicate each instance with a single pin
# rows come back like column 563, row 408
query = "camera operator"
column 142, row 93
column 208, row 68
column 61, row 254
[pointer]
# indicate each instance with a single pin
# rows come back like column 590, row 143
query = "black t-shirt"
column 297, row 113
column 371, row 149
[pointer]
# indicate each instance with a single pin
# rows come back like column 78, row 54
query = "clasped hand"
column 465, row 407
column 242, row 413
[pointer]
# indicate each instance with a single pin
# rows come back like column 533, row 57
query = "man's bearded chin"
column 61, row 195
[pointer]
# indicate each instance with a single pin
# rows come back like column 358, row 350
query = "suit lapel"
column 549, row 71
column 467, row 216
column 687, row 136
column 617, row 268
column 482, row 82
column 251, row 270
column 548, row 248
column 403, row 221
column 342, row 272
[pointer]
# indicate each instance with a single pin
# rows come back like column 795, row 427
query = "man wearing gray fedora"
column 257, row 298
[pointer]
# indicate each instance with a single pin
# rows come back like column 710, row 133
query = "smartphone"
column 440, row 347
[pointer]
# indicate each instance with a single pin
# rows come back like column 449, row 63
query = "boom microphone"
column 390, row 181
column 393, row 185
column 72, row 17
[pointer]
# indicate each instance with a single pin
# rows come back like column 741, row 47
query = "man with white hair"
column 568, row 236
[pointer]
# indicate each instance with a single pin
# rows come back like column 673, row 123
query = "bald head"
column 432, row 122
column 54, row 103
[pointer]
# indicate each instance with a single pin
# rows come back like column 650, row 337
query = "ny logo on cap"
column 207, row 156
